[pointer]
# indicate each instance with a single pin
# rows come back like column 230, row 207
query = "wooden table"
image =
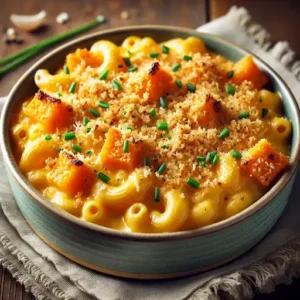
column 281, row 18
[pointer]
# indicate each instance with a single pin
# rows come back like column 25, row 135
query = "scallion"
column 187, row 57
column 178, row 83
column 161, row 169
column 163, row 102
column 156, row 194
column 230, row 74
column 244, row 115
column 132, row 69
column 72, row 87
column 69, row 136
column 264, row 112
column 103, row 104
column 104, row 75
column 86, row 120
column 94, row 112
column 127, row 61
column 165, row 49
column 152, row 113
column 224, row 133
column 116, row 85
column 48, row 137
column 126, row 147
column 236, row 154
column 76, row 148
column 147, row 161
column 230, row 89
column 191, row 87
column 66, row 70
column 103, row 177
column 153, row 54
column 162, row 126
column 193, row 183
column 176, row 67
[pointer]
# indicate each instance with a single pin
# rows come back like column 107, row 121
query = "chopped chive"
column 76, row 148
column 230, row 74
column 48, row 137
column 193, row 183
column 88, row 129
column 260, row 100
column 86, row 120
column 116, row 85
column 156, row 194
column 103, row 104
column 103, row 177
column 191, row 87
column 165, row 147
column 152, row 113
column 165, row 49
column 60, row 149
column 104, row 75
column 224, row 132
column 72, row 87
column 230, row 89
column 127, row 61
column 89, row 152
column 66, row 70
column 210, row 156
column 94, row 112
column 236, row 154
column 153, row 54
column 178, row 83
column 132, row 69
column 129, row 128
column 244, row 115
column 187, row 57
column 176, row 67
column 169, row 137
column 163, row 102
column 126, row 147
column 129, row 52
column 200, row 158
column 59, row 94
column 162, row 126
column 264, row 112
column 69, row 136
column 147, row 161
column 216, row 159
column 161, row 169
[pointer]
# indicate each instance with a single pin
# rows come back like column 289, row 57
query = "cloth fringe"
column 281, row 51
column 25, row 272
column 280, row 267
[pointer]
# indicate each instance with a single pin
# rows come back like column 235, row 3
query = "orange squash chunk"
column 84, row 58
column 157, row 82
column 264, row 163
column 210, row 111
column 113, row 156
column 52, row 113
column 246, row 69
column 72, row 176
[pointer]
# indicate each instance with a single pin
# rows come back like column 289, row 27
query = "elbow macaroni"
column 158, row 110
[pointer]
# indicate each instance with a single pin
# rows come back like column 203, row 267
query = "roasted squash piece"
column 210, row 111
column 157, row 82
column 264, row 163
column 246, row 69
column 71, row 175
column 52, row 113
column 113, row 155
column 84, row 58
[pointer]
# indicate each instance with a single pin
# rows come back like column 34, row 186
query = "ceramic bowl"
column 148, row 256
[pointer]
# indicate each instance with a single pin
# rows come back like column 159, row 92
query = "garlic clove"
column 29, row 22
column 62, row 18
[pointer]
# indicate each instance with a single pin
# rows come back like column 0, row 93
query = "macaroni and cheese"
column 149, row 137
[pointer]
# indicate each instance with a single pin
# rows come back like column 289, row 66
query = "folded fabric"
column 48, row 275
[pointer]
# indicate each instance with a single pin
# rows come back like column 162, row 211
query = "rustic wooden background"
column 280, row 17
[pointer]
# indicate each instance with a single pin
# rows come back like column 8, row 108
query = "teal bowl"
column 148, row 256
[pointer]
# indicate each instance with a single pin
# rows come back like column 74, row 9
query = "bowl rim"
column 160, row 237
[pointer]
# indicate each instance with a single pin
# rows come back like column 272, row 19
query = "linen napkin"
column 48, row 275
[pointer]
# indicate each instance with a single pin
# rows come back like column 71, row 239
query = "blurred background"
column 280, row 17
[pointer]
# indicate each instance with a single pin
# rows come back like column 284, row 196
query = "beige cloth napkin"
column 49, row 275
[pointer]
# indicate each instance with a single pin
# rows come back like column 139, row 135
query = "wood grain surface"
column 279, row 17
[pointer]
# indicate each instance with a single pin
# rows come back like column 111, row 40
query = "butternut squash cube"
column 246, row 69
column 84, row 58
column 156, row 83
column 113, row 155
column 210, row 111
column 264, row 163
column 71, row 175
column 52, row 113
